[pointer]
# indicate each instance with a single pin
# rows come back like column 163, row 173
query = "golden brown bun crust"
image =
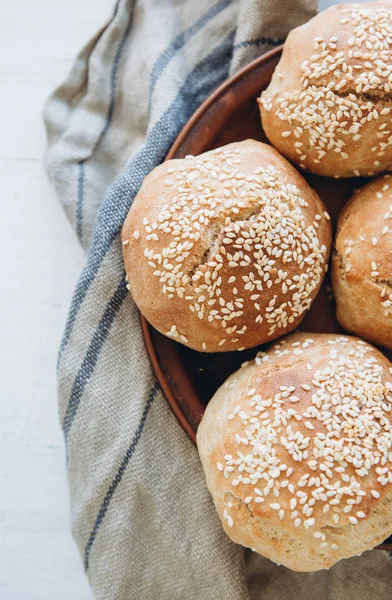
column 361, row 266
column 226, row 250
column 290, row 423
column 328, row 106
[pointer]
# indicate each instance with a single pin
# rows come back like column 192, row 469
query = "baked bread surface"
column 226, row 250
column 362, row 263
column 296, row 450
column 328, row 106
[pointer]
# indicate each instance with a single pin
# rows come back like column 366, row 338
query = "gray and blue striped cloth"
column 141, row 514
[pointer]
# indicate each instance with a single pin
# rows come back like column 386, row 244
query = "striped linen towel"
column 141, row 514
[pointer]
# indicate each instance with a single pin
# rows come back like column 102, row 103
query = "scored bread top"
column 328, row 106
column 296, row 448
column 226, row 250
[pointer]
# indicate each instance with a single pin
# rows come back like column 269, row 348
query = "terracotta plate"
column 188, row 378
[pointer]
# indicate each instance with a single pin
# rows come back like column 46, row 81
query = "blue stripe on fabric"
column 119, row 475
column 262, row 41
column 113, row 82
column 107, row 123
column 206, row 76
column 90, row 360
column 180, row 41
column 79, row 207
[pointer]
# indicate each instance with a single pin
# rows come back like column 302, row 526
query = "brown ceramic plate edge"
column 166, row 387
column 222, row 89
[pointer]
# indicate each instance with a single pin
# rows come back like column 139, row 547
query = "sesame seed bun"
column 226, row 250
column 361, row 272
column 296, row 450
column 328, row 106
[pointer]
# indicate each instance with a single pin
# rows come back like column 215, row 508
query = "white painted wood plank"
column 39, row 262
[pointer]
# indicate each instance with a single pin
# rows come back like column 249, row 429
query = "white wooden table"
column 39, row 261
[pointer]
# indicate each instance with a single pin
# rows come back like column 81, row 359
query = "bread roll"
column 296, row 449
column 226, row 250
column 328, row 106
column 362, row 263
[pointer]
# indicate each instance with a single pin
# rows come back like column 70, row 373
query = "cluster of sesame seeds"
column 338, row 445
column 386, row 302
column 348, row 246
column 229, row 236
column 342, row 90
column 375, row 275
